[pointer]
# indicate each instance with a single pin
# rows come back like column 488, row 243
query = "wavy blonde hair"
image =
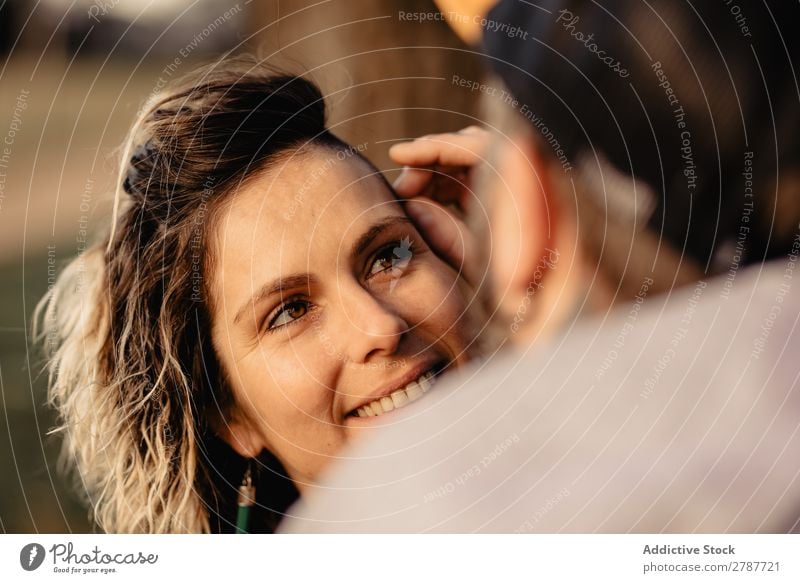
column 127, row 324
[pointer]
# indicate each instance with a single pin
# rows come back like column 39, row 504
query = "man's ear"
column 238, row 432
column 523, row 220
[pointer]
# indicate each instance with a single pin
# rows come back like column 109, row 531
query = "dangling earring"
column 246, row 499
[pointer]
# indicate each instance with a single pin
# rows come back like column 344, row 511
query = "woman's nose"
column 374, row 329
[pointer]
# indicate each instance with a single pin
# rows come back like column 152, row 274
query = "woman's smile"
column 396, row 394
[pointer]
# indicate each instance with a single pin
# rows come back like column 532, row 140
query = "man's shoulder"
column 746, row 315
column 675, row 412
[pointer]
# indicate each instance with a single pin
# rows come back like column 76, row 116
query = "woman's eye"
column 394, row 256
column 288, row 313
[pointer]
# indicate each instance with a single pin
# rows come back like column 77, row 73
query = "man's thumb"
column 446, row 234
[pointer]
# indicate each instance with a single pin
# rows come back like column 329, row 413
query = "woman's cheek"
column 289, row 386
column 453, row 309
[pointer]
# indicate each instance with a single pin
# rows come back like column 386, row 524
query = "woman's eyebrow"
column 366, row 239
column 274, row 287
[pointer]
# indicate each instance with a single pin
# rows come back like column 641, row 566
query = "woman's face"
column 330, row 312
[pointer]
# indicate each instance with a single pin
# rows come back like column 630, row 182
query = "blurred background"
column 73, row 76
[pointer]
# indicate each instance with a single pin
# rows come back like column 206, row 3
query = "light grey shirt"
column 674, row 413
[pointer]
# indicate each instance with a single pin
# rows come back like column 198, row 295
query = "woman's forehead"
column 316, row 190
column 304, row 215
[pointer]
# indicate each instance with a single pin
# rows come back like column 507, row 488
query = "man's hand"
column 437, row 181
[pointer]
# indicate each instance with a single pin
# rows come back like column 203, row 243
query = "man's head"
column 639, row 145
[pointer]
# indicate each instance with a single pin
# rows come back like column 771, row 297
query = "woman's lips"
column 400, row 396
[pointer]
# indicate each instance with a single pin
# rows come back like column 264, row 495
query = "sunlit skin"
column 339, row 301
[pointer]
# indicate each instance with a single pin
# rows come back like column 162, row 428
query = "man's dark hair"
column 698, row 100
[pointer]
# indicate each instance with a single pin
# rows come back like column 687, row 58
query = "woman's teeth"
column 400, row 398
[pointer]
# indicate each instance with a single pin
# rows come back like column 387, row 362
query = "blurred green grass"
column 35, row 496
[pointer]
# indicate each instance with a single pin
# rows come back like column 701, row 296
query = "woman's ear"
column 523, row 221
column 239, row 432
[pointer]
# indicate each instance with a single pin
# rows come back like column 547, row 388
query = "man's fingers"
column 412, row 181
column 450, row 154
column 445, row 185
column 474, row 130
column 461, row 149
column 439, row 228
column 444, row 233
